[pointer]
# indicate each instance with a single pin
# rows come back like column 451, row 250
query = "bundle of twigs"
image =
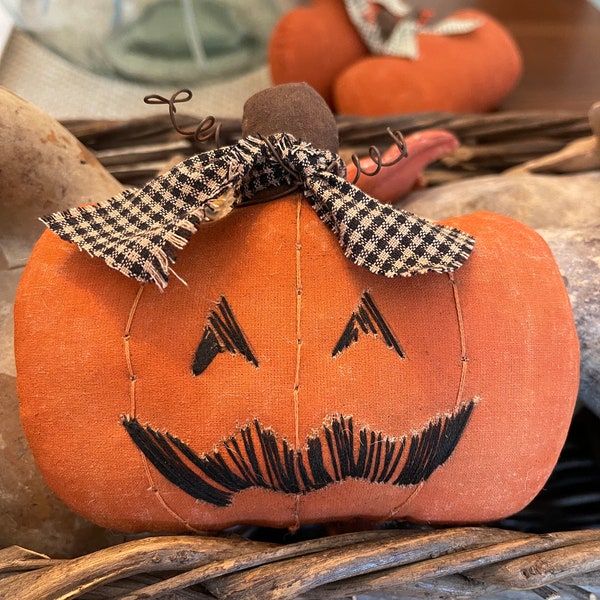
column 451, row 563
column 136, row 150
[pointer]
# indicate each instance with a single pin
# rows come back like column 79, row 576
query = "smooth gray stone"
column 540, row 201
column 577, row 252
column 565, row 210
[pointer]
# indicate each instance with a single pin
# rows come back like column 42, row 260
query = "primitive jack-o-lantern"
column 284, row 384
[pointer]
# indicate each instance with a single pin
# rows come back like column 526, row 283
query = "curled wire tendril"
column 377, row 158
column 206, row 129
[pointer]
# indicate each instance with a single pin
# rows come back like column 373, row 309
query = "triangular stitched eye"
column 368, row 320
column 221, row 334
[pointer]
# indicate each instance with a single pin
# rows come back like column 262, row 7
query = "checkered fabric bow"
column 139, row 231
column 402, row 38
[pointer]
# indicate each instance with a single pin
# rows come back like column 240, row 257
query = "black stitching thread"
column 221, row 334
column 369, row 455
column 368, row 319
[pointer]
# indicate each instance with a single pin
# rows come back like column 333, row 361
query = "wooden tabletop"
column 560, row 44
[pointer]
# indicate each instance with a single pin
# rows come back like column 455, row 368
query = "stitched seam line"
column 298, row 321
column 463, row 340
column 296, row 392
column 462, row 380
column 127, row 349
column 133, row 410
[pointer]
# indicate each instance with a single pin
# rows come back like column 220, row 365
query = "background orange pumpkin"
column 100, row 357
column 319, row 44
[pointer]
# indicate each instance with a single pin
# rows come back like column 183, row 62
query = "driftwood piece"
column 546, row 567
column 316, row 562
column 15, row 559
column 497, row 549
column 72, row 578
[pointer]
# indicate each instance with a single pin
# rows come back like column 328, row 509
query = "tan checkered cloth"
column 139, row 232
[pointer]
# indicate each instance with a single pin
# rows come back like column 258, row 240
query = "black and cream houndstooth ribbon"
column 402, row 39
column 139, row 231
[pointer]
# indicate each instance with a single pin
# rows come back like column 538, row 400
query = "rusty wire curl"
column 375, row 155
column 207, row 128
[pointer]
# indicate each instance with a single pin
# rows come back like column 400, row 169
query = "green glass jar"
column 159, row 41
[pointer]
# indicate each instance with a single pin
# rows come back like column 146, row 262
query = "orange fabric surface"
column 500, row 330
column 458, row 73
column 314, row 44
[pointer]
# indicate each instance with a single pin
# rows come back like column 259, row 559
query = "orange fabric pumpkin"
column 301, row 48
column 472, row 72
column 285, row 385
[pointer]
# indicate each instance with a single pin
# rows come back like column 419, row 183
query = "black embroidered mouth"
column 257, row 457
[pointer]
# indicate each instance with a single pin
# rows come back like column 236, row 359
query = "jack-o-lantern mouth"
column 256, row 457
